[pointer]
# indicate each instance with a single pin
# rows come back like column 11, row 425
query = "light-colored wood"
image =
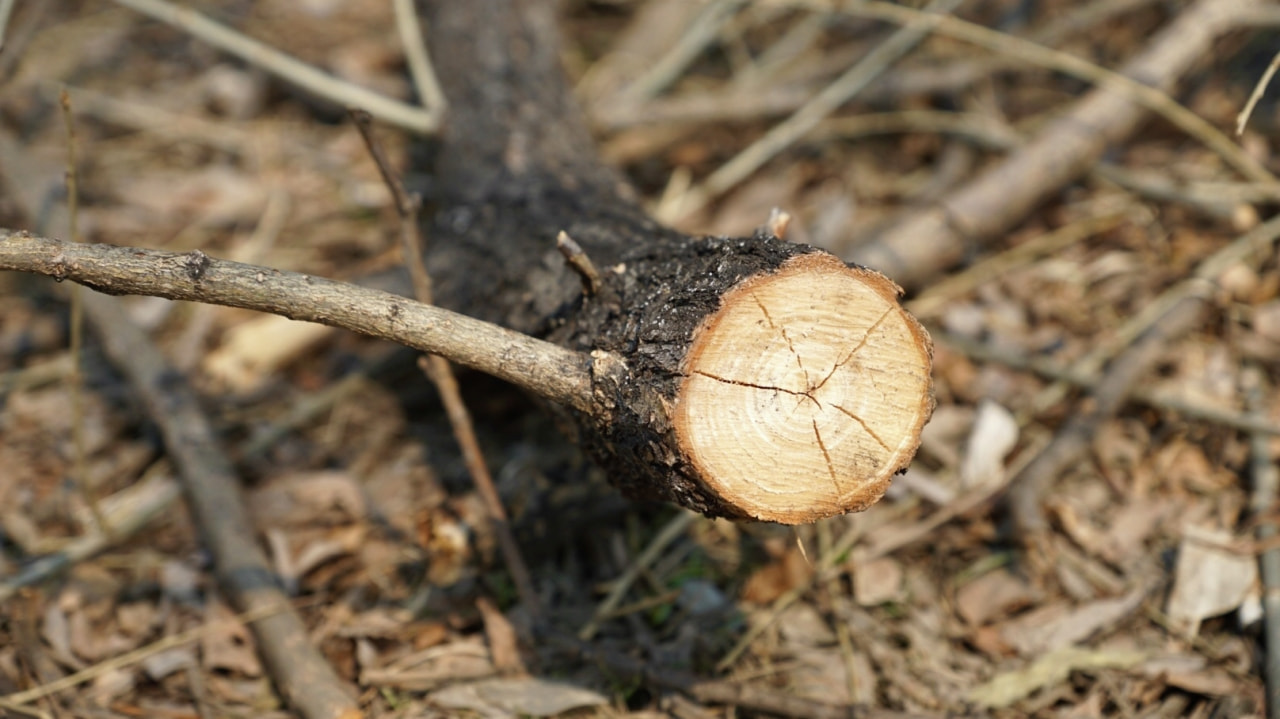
column 806, row 392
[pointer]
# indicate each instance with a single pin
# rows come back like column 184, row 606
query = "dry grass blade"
column 622, row 584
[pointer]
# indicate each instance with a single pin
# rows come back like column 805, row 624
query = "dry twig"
column 1170, row 316
column 123, row 514
column 441, row 373
column 1243, row 118
column 1266, row 491
column 1088, row 379
column 916, row 249
column 807, row 117
column 302, row 675
column 540, row 367
column 415, row 119
column 751, row 697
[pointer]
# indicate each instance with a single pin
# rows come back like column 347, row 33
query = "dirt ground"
column 1121, row 580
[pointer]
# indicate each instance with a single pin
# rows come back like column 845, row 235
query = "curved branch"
column 543, row 368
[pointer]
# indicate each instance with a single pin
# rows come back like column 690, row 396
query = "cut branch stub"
column 805, row 392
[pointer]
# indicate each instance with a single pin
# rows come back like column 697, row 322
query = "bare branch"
column 542, row 368
column 289, row 68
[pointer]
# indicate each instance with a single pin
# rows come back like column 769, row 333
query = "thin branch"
column 579, row 262
column 124, row 513
column 136, row 656
column 1171, row 315
column 75, row 381
column 924, row 243
column 1266, row 488
column 439, row 371
column 666, row 69
column 415, row 53
column 6, row 9
column 1188, row 407
column 212, row 487
column 1153, row 98
column 1243, row 118
column 545, row 369
column 782, row 135
column 288, row 68
column 747, row 696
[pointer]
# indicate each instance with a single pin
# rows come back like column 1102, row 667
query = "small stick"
column 777, row 224
column 1266, row 487
column 137, row 655
column 302, row 675
column 75, row 380
column 124, row 513
column 441, row 373
column 580, row 262
column 746, row 696
column 1173, row 314
column 1152, row 98
column 825, row 563
column 666, row 69
column 288, row 68
column 415, row 53
column 1159, row 399
column 6, row 9
column 782, row 135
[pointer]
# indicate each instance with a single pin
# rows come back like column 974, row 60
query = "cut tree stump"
column 747, row 378
column 802, row 393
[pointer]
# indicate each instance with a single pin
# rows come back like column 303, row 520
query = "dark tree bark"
column 744, row 377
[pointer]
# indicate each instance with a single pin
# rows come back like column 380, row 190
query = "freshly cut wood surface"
column 806, row 392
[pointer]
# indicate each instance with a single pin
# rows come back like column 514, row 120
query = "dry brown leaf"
column 994, row 594
column 307, row 498
column 877, row 582
column 460, row 660
column 1182, row 463
column 227, row 644
column 1129, row 528
column 777, row 577
column 162, row 664
column 802, row 625
column 1209, row 580
column 217, row 195
column 504, row 646
column 252, row 352
column 1054, row 626
column 994, row 435
column 821, row 675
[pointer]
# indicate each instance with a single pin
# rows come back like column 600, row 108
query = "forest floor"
column 1142, row 597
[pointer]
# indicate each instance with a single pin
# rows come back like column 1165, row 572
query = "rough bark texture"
column 517, row 167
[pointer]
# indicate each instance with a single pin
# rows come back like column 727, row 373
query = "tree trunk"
column 748, row 378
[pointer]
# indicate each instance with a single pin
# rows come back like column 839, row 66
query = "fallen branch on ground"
column 303, row 676
column 926, row 243
column 827, row 433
